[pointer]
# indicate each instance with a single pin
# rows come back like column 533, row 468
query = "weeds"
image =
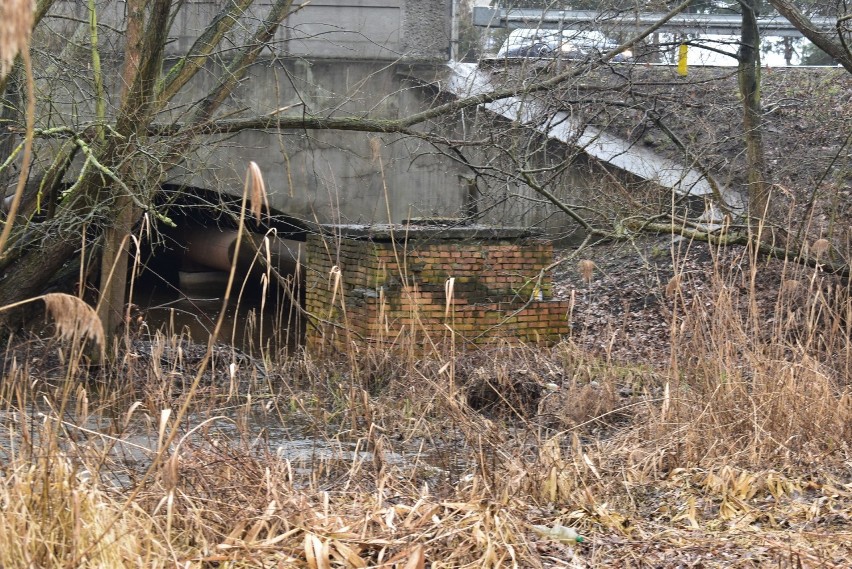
column 736, row 452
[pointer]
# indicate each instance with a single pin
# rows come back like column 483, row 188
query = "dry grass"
column 760, row 385
column 735, row 454
column 587, row 270
column 16, row 24
column 255, row 188
column 74, row 318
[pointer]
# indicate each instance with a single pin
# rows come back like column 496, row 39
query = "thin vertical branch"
column 97, row 74
column 28, row 149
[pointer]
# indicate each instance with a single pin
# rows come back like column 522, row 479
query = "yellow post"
column 681, row 60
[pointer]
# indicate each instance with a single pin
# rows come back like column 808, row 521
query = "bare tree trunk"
column 8, row 114
column 749, row 80
column 30, row 268
column 41, row 8
column 33, row 270
column 114, row 260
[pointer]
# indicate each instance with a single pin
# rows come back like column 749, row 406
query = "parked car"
column 530, row 43
column 570, row 44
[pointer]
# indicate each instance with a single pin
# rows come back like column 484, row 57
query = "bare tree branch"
column 241, row 62
column 539, row 86
column 822, row 40
column 187, row 66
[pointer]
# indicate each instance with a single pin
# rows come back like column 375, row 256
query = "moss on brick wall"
column 379, row 291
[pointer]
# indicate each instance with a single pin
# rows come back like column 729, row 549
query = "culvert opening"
column 182, row 274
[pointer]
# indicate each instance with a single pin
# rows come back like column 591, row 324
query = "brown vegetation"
column 729, row 448
column 698, row 414
column 16, row 24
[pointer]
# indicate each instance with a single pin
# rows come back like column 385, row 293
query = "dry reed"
column 16, row 24
column 74, row 318
column 820, row 247
column 54, row 512
column 256, row 190
column 587, row 270
column 407, row 469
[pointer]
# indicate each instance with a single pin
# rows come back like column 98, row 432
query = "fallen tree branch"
column 741, row 237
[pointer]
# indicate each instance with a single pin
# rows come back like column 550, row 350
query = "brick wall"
column 384, row 291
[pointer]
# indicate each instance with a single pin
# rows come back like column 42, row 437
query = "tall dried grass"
column 760, row 382
column 449, row 458
column 55, row 514
column 74, row 318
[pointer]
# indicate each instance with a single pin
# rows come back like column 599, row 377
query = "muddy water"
column 254, row 323
column 131, row 447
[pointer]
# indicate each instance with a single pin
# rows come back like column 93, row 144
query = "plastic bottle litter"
column 560, row 533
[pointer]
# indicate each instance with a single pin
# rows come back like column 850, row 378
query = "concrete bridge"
column 377, row 59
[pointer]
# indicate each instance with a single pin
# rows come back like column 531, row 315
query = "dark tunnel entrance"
column 179, row 280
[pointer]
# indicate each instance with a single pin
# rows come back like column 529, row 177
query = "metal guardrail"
column 724, row 24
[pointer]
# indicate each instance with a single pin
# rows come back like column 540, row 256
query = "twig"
column 28, row 148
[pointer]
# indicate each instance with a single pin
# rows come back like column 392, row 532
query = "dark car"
column 535, row 47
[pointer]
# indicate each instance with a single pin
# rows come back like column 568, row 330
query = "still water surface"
column 252, row 321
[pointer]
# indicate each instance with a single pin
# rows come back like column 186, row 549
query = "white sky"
column 698, row 56
column 730, row 44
